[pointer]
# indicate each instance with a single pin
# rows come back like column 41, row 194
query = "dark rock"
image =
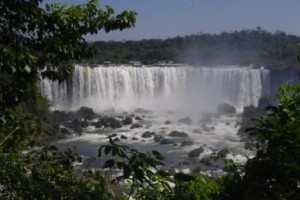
column 134, row 138
column 132, row 115
column 127, row 120
column 148, row 134
column 158, row 138
column 207, row 161
column 178, row 134
column 61, row 117
column 263, row 102
column 196, row 152
column 110, row 122
column 75, row 125
column 223, row 153
column 250, row 145
column 85, row 113
column 196, row 170
column 65, row 131
column 112, row 135
column 138, row 118
column 168, row 122
column 224, row 109
column 135, row 125
column 227, row 123
column 116, row 140
column 187, row 143
column 212, row 128
column 142, row 111
column 250, row 112
column 166, row 141
column 120, row 117
column 123, row 137
column 185, row 120
column 197, row 131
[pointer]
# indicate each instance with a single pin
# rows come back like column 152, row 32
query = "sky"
column 170, row 18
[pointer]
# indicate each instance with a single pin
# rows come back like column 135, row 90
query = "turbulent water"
column 126, row 87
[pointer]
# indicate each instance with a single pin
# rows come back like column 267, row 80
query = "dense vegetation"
column 32, row 38
column 258, row 47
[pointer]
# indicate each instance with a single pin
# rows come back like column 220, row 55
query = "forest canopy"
column 258, row 47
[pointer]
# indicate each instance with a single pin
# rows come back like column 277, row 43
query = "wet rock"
column 178, row 134
column 127, row 120
column 212, row 128
column 207, row 161
column 185, row 120
column 65, row 131
column 227, row 123
column 196, row 170
column 225, row 108
column 196, row 152
column 197, row 131
column 110, row 122
column 61, row 117
column 158, row 138
column 112, row 135
column 123, row 137
column 75, row 125
column 187, row 143
column 223, row 153
column 116, row 140
column 148, row 134
column 168, row 122
column 85, row 113
column 166, row 141
column 136, row 125
column 138, row 118
column 120, row 117
column 134, row 138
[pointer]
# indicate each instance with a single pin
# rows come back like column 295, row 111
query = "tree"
column 35, row 43
column 274, row 173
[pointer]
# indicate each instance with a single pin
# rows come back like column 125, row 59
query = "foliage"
column 274, row 173
column 35, row 43
column 48, row 174
column 257, row 47
column 140, row 169
column 149, row 182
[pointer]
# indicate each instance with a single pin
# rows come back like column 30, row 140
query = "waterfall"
column 185, row 87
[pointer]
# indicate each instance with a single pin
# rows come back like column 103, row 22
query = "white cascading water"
column 126, row 87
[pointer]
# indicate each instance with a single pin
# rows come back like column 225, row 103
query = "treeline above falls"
column 257, row 47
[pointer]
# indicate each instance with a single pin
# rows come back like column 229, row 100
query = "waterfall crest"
column 153, row 87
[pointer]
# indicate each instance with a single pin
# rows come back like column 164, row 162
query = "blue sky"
column 170, row 18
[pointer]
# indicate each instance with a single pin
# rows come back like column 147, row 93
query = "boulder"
column 185, row 120
column 196, row 152
column 168, row 122
column 136, row 125
column 148, row 134
column 110, row 122
column 134, row 138
column 116, row 139
column 158, row 138
column 127, row 120
column 123, row 137
column 178, row 134
column 187, row 143
column 166, row 141
column 225, row 108
column 85, row 113
column 138, row 118
column 223, row 153
column 65, row 131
